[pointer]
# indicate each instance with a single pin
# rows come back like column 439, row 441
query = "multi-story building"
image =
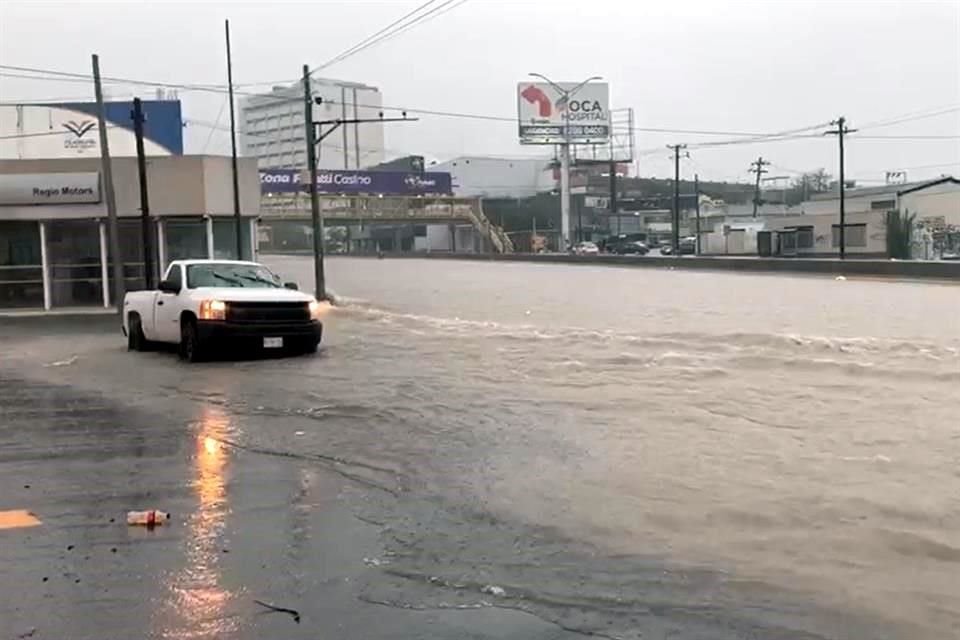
column 272, row 128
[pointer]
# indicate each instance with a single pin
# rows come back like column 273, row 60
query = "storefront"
column 54, row 235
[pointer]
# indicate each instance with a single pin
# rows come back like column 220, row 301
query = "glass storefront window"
column 225, row 239
column 131, row 248
column 21, row 271
column 186, row 239
column 73, row 258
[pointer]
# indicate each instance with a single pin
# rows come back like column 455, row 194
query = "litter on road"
column 148, row 518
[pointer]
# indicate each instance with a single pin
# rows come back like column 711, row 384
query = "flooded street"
column 627, row 452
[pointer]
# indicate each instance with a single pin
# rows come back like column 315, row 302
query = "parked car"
column 202, row 303
column 632, row 248
column 586, row 249
column 687, row 246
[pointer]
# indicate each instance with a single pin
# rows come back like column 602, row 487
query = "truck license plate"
column 272, row 343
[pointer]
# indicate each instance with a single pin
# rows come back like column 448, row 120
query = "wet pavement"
column 246, row 525
column 477, row 453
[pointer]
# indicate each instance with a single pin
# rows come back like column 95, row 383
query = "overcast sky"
column 707, row 65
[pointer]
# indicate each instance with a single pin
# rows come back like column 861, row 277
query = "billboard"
column 547, row 115
column 69, row 129
column 350, row 182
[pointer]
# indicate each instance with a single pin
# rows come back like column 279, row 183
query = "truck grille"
column 268, row 312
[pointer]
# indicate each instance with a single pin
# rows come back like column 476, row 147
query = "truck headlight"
column 213, row 310
column 316, row 310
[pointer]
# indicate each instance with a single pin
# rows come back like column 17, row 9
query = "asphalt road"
column 246, row 525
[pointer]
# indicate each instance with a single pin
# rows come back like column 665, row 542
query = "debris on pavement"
column 148, row 518
column 62, row 363
column 374, row 562
column 494, row 590
column 292, row 612
column 18, row 518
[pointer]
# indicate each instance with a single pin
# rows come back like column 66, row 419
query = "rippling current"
column 698, row 453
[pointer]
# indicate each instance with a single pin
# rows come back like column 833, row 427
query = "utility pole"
column 315, row 135
column 676, row 195
column 321, row 285
column 138, row 119
column 613, row 193
column 113, row 231
column 840, row 131
column 233, row 148
column 757, row 167
column 696, row 193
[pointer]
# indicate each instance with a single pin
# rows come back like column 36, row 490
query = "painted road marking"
column 18, row 518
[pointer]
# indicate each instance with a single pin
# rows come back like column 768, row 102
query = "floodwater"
column 623, row 452
column 797, row 432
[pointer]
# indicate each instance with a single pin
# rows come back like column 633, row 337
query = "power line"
column 349, row 51
column 910, row 117
column 426, row 17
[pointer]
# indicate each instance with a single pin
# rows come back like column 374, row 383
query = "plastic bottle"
column 148, row 518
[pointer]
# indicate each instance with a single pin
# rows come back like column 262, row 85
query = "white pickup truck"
column 203, row 303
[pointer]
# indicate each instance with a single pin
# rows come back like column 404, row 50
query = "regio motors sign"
column 549, row 114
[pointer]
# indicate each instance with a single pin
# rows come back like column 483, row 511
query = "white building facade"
column 272, row 126
column 491, row 177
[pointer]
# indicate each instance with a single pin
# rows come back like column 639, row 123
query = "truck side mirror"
column 293, row 286
column 169, row 287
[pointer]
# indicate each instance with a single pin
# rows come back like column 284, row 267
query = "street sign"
column 547, row 115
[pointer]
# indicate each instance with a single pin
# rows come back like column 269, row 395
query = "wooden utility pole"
column 138, row 119
column 757, row 167
column 840, row 131
column 233, row 149
column 106, row 169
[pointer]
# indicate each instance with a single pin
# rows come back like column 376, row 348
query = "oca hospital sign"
column 373, row 182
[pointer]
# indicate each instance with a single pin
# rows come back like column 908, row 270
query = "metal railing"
column 388, row 209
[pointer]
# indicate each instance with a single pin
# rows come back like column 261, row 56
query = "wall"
column 498, row 177
column 177, row 185
column 942, row 200
column 876, row 231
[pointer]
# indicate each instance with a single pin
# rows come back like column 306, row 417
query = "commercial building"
column 812, row 228
column 69, row 129
column 53, row 231
column 272, row 127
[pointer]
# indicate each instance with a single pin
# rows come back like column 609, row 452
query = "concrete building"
column 53, row 232
column 69, row 129
column 491, row 177
column 812, row 228
column 272, row 128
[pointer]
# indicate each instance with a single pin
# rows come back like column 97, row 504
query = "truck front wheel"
column 190, row 347
column 136, row 341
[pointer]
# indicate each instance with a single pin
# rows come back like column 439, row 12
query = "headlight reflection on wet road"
column 195, row 593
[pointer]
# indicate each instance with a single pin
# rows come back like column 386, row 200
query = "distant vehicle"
column 688, row 246
column 202, row 303
column 950, row 256
column 632, row 248
column 611, row 243
column 586, row 249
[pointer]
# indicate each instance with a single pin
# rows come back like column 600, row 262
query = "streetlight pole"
column 565, row 95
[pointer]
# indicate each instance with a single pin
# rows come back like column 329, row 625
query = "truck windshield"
column 230, row 275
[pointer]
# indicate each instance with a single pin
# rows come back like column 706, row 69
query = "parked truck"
column 202, row 304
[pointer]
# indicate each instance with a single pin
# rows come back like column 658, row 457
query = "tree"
column 900, row 234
